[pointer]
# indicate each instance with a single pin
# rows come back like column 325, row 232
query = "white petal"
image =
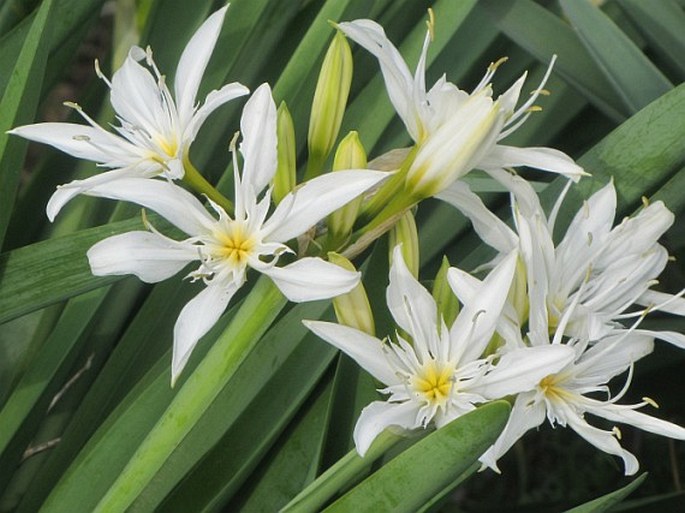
column 193, row 62
column 378, row 416
column 214, row 100
column 604, row 441
column 672, row 337
column 627, row 415
column 258, row 126
column 547, row 159
column 80, row 141
column 151, row 257
column 170, row 201
column 136, row 97
column 398, row 79
column 476, row 322
column 67, row 192
column 521, row 370
column 315, row 199
column 364, row 349
column 487, row 225
column 310, row 279
column 410, row 304
column 612, row 356
column 196, row 319
column 525, row 415
column 665, row 302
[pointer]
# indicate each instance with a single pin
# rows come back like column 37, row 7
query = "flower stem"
column 193, row 399
column 200, row 184
column 338, row 477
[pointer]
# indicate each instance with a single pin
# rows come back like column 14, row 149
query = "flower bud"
column 349, row 155
column 352, row 309
column 284, row 179
column 455, row 147
column 446, row 301
column 404, row 232
column 329, row 103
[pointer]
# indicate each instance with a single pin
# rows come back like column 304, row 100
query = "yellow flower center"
column 550, row 387
column 168, row 146
column 235, row 246
column 434, row 381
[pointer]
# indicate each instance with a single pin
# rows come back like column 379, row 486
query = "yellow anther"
column 650, row 402
column 72, row 105
column 617, row 432
column 430, row 23
column 543, row 92
column 494, row 65
column 534, row 108
column 645, row 201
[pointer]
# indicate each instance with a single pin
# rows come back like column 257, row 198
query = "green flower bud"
column 404, row 232
column 328, row 107
column 349, row 155
column 352, row 309
column 446, row 301
column 284, row 179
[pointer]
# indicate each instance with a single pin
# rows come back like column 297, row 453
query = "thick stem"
column 200, row 184
column 196, row 395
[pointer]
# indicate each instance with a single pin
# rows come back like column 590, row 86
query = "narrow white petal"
column 547, row 159
column 672, row 337
column 604, row 441
column 67, row 192
column 398, row 79
column 364, row 349
column 214, row 100
column 487, row 225
column 410, row 304
column 170, row 201
column 80, row 141
column 665, row 302
column 521, row 370
column 151, row 257
column 258, row 126
column 526, row 414
column 627, row 415
column 476, row 322
column 613, row 355
column 196, row 319
column 193, row 62
column 315, row 199
column 378, row 416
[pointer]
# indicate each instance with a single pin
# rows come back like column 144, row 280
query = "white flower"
column 441, row 373
column 454, row 131
column 594, row 275
column 227, row 246
column 156, row 128
column 566, row 396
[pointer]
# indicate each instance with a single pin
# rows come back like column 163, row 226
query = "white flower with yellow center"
column 566, row 396
column 454, row 131
column 227, row 245
column 441, row 374
column 156, row 129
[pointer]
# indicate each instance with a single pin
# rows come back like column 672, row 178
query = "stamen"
column 650, row 402
column 616, row 432
column 431, row 23
column 101, row 75
column 645, row 201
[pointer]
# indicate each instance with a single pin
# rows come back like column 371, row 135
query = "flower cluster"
column 549, row 326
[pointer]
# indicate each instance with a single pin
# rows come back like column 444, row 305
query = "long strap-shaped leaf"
column 18, row 106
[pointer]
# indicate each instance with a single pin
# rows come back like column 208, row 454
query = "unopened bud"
column 284, row 179
column 328, row 107
column 352, row 309
column 349, row 155
column 405, row 233
column 446, row 301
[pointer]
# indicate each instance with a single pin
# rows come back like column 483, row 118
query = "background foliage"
column 84, row 361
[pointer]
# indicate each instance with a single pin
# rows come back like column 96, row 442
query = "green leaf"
column 662, row 24
column 633, row 77
column 606, row 502
column 543, row 34
column 413, row 478
column 43, row 273
column 18, row 106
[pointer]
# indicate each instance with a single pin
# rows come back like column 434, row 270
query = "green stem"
column 336, row 479
column 193, row 399
column 200, row 184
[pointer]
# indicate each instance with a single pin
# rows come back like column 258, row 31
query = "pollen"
column 434, row 381
column 235, row 246
column 550, row 387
